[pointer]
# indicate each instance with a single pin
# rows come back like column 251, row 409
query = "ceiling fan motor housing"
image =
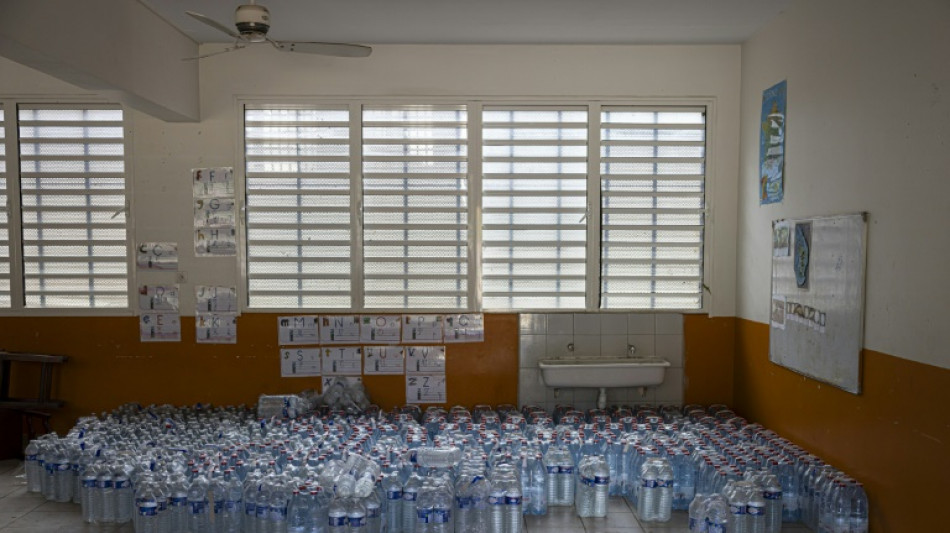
column 252, row 21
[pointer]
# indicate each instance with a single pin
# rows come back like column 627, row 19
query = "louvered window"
column 652, row 207
column 534, row 207
column 4, row 219
column 74, row 198
column 415, row 207
column 298, row 200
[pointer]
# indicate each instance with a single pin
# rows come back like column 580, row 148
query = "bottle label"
column 278, row 513
column 693, row 524
column 198, row 507
column 148, row 510
column 31, row 457
column 737, row 509
column 394, row 495
column 232, row 505
column 180, row 501
column 89, row 483
column 250, row 509
column 553, row 469
column 373, row 512
column 422, row 516
column 566, row 469
column 357, row 521
column 441, row 516
column 513, row 500
column 496, row 499
column 601, row 480
column 648, row 483
column 716, row 528
column 122, row 484
column 104, row 483
column 755, row 510
column 586, row 481
column 62, row 467
column 772, row 495
column 162, row 506
column 218, row 506
column 463, row 502
column 409, row 496
column 261, row 512
column 337, row 521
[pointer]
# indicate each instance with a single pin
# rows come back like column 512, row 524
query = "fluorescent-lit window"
column 298, row 200
column 73, row 205
column 652, row 166
column 534, row 207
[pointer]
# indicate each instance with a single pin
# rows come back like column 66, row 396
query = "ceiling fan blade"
column 219, row 52
column 214, row 24
column 325, row 49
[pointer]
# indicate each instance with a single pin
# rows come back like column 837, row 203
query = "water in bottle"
column 374, row 513
column 664, row 491
column 147, row 510
column 647, row 495
column 601, row 488
column 337, row 516
column 410, row 494
column 34, row 470
column 772, row 493
column 89, row 477
column 122, row 486
column 697, row 515
column 755, row 511
column 718, row 516
column 230, row 517
column 441, row 518
column 178, row 503
column 355, row 516
column 858, row 522
column 104, row 497
column 199, row 519
column 392, row 494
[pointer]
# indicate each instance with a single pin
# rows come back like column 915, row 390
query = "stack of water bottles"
column 207, row 469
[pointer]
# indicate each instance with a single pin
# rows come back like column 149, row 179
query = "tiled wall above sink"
column 547, row 336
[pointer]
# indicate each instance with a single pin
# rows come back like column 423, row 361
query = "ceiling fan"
column 253, row 21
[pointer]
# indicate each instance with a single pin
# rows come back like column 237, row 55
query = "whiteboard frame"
column 843, row 297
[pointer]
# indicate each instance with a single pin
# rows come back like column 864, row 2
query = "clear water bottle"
column 601, row 488
column 87, row 496
column 496, row 504
column 697, row 514
column 320, row 510
column 551, row 467
column 199, row 518
column 122, row 485
column 647, row 495
column 147, row 510
column 392, row 494
column 374, row 513
column 565, row 486
column 355, row 516
column 738, row 496
column 103, row 499
column 684, row 481
column 441, row 518
column 33, row 467
column 277, row 508
column 538, row 486
column 858, row 521
column 337, row 517
column 513, row 508
column 755, row 511
column 178, row 503
column 249, row 497
column 718, row 517
column 410, row 494
column 841, row 509
column 230, row 518
column 664, row 490
column 772, row 493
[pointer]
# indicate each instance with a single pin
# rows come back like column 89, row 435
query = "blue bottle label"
column 198, row 507
column 693, row 523
column 496, row 499
column 588, row 482
column 89, row 483
column 553, row 469
column 737, row 509
column 337, row 521
column 716, row 528
column 218, row 507
column 755, row 510
column 122, row 484
column 512, row 500
column 648, row 484
column 250, row 509
column 31, row 457
column 441, row 516
column 409, row 496
column 179, row 501
column 373, row 512
column 104, row 484
column 463, row 502
column 422, row 516
column 162, row 506
column 357, row 521
column 394, row 495
column 772, row 495
column 601, row 480
column 232, row 505
column 278, row 514
column 566, row 469
column 261, row 512
column 148, row 510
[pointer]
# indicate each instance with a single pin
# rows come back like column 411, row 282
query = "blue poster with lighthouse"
column 772, row 145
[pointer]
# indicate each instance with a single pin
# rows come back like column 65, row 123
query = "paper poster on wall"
column 464, row 328
column 778, row 312
column 425, row 388
column 425, row 359
column 215, row 242
column 772, row 145
column 380, row 329
column 157, row 256
column 802, row 258
column 158, row 297
column 781, row 239
column 299, row 362
column 340, row 329
column 213, row 328
column 342, row 361
column 214, row 212
column 422, row 328
column 215, row 299
column 298, row 330
column 383, row 360
column 218, row 181
column 160, row 327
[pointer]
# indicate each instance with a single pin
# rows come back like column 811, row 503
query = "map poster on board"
column 772, row 145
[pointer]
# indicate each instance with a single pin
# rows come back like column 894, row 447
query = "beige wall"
column 868, row 111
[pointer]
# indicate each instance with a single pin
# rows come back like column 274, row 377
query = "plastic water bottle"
column 122, row 486
column 697, row 515
column 34, row 470
column 374, row 513
column 841, row 509
column 199, row 519
column 62, row 477
column 717, row 516
column 392, row 494
column 738, row 504
column 755, row 511
column 552, row 478
column 229, row 519
column 410, row 494
column 277, row 509
column 538, row 487
column 772, row 493
column 496, row 504
column 249, row 497
column 337, row 516
column 104, row 497
column 178, row 504
column 601, row 488
column 147, row 510
column 513, row 508
column 565, row 486
column 647, row 497
column 664, row 489
column 441, row 519
column 355, row 516
column 87, row 495
column 858, row 522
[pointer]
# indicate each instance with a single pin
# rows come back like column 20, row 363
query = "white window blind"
column 4, row 219
column 74, row 201
column 652, row 207
column 534, row 206
column 415, row 207
column 298, row 208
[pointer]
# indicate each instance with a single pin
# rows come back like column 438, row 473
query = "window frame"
column 13, row 176
column 475, row 105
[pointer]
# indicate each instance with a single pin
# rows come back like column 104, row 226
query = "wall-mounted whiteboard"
column 817, row 305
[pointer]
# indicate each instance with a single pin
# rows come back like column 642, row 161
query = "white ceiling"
column 489, row 21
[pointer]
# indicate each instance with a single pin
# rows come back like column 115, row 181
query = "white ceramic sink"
column 603, row 372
